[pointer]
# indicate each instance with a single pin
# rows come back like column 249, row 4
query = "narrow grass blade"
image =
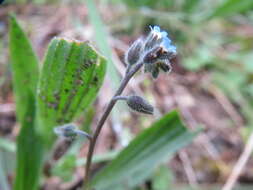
column 25, row 73
column 137, row 161
column 101, row 39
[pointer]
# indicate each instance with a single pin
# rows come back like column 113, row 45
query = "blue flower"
column 166, row 44
column 157, row 31
column 158, row 37
column 155, row 51
column 158, row 52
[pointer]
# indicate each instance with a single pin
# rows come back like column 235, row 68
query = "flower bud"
column 165, row 65
column 158, row 51
column 155, row 72
column 138, row 104
column 65, row 130
column 152, row 41
column 133, row 54
column 153, row 69
column 69, row 131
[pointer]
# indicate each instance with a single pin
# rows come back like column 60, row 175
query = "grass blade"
column 101, row 39
column 25, row 76
column 136, row 162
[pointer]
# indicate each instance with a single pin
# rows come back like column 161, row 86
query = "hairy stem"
column 101, row 122
column 120, row 98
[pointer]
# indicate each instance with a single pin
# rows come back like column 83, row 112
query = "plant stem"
column 101, row 122
column 120, row 98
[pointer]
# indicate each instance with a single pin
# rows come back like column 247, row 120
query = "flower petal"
column 164, row 34
column 172, row 48
column 166, row 43
column 156, row 29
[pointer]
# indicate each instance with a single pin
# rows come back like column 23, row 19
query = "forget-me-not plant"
column 154, row 52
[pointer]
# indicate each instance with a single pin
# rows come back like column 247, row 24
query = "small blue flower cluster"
column 166, row 42
column 161, row 38
column 155, row 52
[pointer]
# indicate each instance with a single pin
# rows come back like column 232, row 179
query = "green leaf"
column 25, row 73
column 137, row 161
column 71, row 76
column 230, row 7
column 29, row 154
column 24, row 66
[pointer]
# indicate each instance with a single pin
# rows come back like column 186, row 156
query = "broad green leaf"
column 25, row 74
column 230, row 7
column 137, row 161
column 71, row 76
